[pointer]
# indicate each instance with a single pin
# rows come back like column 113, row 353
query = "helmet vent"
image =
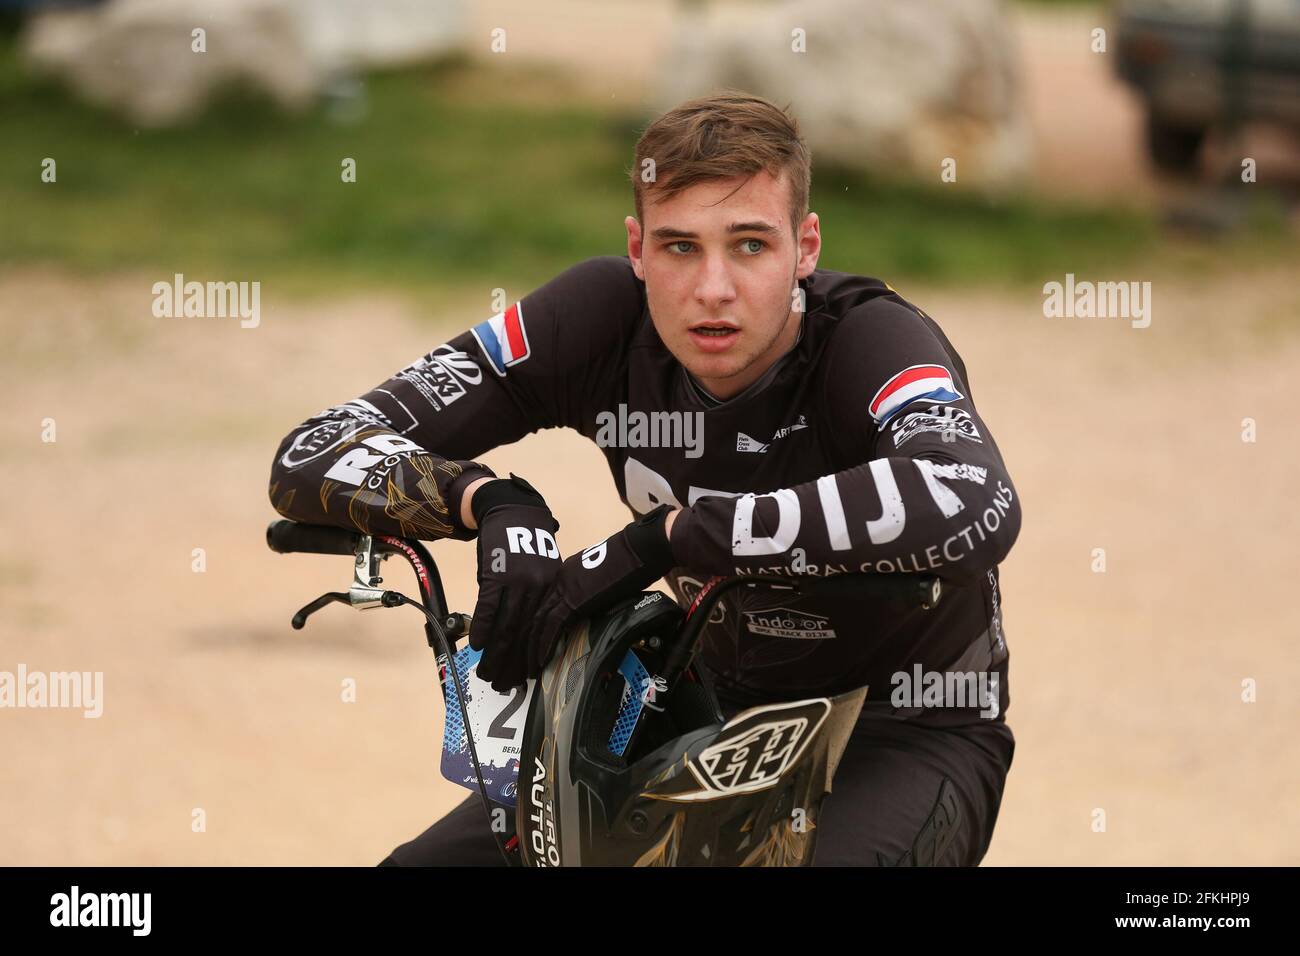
column 573, row 680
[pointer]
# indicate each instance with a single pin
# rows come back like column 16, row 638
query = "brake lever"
column 328, row 597
column 364, row 592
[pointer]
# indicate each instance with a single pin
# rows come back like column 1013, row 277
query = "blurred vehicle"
column 46, row 4
column 1205, row 64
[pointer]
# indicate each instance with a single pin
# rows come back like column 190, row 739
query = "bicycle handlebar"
column 291, row 537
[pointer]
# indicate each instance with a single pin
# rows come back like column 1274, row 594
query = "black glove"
column 517, row 560
column 589, row 582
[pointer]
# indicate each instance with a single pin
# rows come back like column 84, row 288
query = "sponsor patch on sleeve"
column 951, row 423
column 503, row 339
column 929, row 382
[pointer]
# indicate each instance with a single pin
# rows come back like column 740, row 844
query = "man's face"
column 720, row 274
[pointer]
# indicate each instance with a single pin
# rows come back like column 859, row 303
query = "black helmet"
column 618, row 769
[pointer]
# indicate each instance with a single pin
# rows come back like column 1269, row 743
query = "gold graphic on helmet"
column 667, row 848
column 784, row 846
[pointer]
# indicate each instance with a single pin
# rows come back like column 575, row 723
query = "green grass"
column 945, row 235
column 459, row 180
column 443, row 190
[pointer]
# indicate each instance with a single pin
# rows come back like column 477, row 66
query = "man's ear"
column 634, row 249
column 809, row 246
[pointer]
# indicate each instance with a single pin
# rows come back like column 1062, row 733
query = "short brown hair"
column 721, row 136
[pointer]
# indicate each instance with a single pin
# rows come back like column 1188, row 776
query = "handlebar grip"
column 290, row 537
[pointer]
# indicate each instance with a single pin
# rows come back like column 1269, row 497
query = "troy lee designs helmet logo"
column 757, row 754
column 753, row 761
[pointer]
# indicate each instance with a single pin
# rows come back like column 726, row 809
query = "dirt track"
column 1126, row 685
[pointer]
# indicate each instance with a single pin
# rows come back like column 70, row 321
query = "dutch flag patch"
column 930, row 382
column 503, row 339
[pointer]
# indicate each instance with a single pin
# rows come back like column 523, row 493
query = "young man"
column 818, row 424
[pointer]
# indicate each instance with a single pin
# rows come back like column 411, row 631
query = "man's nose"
column 715, row 286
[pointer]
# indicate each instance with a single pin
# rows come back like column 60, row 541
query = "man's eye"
column 757, row 242
column 673, row 247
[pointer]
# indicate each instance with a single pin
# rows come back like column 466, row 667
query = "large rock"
column 883, row 85
column 364, row 33
column 137, row 55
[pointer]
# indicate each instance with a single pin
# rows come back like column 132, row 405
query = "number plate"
column 497, row 722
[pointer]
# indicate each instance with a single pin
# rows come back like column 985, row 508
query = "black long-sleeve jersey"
column 859, row 450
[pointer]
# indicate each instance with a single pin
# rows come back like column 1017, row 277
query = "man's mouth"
column 715, row 329
column 714, row 337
